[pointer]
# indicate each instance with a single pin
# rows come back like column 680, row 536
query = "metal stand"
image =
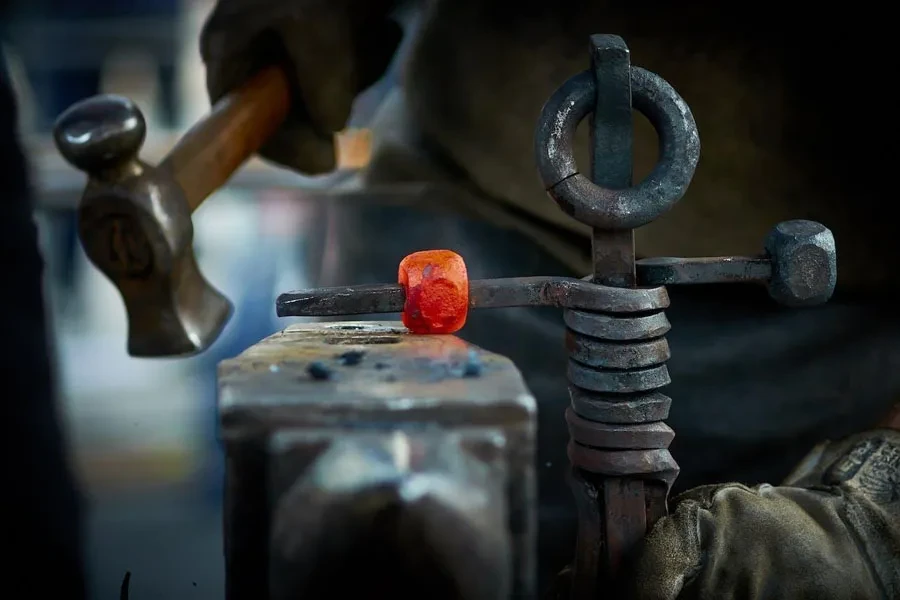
column 622, row 470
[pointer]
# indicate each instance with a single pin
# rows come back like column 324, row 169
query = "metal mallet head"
column 799, row 266
column 135, row 226
column 135, row 220
column 804, row 263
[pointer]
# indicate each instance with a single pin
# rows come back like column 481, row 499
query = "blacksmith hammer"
column 135, row 219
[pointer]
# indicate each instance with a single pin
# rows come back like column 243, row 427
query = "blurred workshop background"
column 142, row 432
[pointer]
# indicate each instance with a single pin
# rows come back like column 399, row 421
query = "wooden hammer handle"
column 206, row 157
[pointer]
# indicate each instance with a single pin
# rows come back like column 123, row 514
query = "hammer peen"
column 134, row 219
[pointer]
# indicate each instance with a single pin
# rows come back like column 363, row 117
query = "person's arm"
column 331, row 50
column 830, row 531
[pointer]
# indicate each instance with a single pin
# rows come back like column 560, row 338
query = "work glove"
column 330, row 50
column 831, row 532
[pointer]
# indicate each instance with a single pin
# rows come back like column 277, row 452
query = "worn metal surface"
column 631, row 360
column 410, row 457
column 617, row 327
column 136, row 227
column 617, row 382
column 799, row 266
column 626, row 436
column 594, row 352
column 558, row 292
column 610, row 130
column 657, row 463
column 668, row 270
column 804, row 263
column 612, row 409
column 591, row 203
column 617, row 363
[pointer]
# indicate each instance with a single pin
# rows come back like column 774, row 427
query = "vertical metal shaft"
column 622, row 502
column 611, row 129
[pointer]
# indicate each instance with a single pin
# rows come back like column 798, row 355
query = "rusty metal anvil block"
column 357, row 439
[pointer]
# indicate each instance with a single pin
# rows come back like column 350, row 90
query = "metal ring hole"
column 616, row 209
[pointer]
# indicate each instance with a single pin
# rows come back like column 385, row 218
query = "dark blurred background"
column 142, row 432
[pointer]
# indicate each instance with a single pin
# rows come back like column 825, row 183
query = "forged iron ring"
column 615, row 381
column 614, row 409
column 585, row 295
column 617, row 328
column 596, row 353
column 599, row 207
column 655, row 464
column 618, row 436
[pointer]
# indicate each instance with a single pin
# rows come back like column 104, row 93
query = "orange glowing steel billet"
column 436, row 283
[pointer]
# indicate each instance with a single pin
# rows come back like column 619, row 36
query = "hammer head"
column 135, row 226
column 804, row 263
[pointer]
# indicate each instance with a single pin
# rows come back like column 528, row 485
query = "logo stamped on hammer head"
column 122, row 249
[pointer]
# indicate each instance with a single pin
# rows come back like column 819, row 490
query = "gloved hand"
column 831, row 532
column 330, row 49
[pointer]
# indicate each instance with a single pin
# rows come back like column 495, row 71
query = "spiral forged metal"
column 616, row 418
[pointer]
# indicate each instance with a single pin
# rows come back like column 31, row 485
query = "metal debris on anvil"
column 351, row 358
column 437, row 369
column 319, row 370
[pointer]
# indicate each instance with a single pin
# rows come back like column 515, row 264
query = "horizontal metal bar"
column 686, row 271
column 560, row 292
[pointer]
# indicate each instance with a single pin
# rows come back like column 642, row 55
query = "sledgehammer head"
column 135, row 226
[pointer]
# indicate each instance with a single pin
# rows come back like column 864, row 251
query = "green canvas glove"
column 330, row 50
column 831, row 532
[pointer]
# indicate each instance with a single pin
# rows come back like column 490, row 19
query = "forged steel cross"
column 622, row 470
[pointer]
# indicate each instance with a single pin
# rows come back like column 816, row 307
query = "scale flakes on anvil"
column 295, row 399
